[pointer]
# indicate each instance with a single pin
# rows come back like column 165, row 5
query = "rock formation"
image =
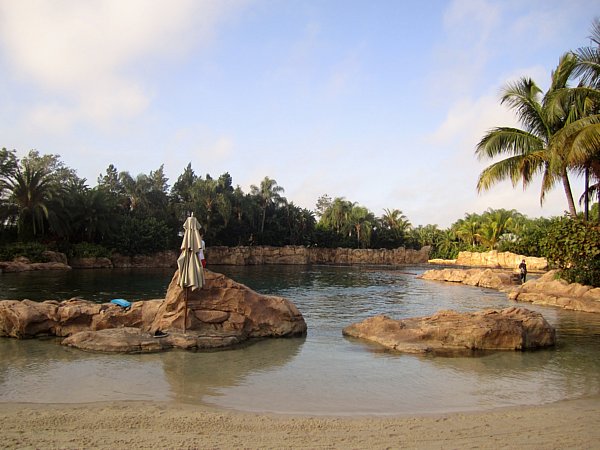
column 545, row 290
column 225, row 306
column 451, row 332
column 238, row 256
column 222, row 314
column 23, row 264
column 486, row 278
column 549, row 290
column 242, row 256
column 495, row 259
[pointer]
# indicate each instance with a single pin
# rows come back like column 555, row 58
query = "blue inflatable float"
column 121, row 302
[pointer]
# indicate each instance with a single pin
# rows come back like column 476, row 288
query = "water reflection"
column 99, row 285
column 192, row 376
column 43, row 371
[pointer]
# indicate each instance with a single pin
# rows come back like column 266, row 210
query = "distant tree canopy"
column 44, row 204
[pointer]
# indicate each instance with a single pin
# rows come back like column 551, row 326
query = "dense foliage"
column 574, row 247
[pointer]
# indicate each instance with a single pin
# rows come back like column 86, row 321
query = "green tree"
column 323, row 203
column 361, row 221
column 573, row 246
column 110, row 181
column 8, row 169
column 92, row 214
column 531, row 150
column 31, row 190
column 395, row 221
column 210, row 204
column 468, row 229
column 585, row 148
column 495, row 223
column 267, row 194
column 337, row 216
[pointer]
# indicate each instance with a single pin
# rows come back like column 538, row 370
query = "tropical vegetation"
column 45, row 205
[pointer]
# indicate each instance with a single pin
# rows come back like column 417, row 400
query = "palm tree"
column 8, row 168
column 32, row 191
column 138, row 191
column 587, row 142
column 269, row 193
column 361, row 220
column 395, row 221
column 337, row 214
column 468, row 229
column 588, row 65
column 495, row 224
column 531, row 150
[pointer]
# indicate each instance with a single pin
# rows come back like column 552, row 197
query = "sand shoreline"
column 138, row 425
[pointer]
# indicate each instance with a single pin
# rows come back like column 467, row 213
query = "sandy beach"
column 573, row 424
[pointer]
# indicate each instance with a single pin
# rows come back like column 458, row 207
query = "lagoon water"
column 323, row 373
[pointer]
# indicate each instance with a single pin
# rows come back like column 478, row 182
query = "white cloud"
column 50, row 117
column 463, row 53
column 222, row 148
column 81, row 54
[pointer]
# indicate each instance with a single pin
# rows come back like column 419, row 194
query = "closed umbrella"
column 191, row 274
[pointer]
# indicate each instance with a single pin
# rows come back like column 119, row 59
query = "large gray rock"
column 450, row 331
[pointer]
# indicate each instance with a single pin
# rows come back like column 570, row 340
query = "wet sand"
column 573, row 424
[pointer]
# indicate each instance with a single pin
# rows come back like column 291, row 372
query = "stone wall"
column 504, row 260
column 236, row 256
column 242, row 256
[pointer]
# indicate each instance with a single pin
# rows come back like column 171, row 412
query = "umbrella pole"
column 185, row 302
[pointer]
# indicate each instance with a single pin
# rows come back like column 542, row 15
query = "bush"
column 31, row 250
column 89, row 250
column 529, row 238
column 573, row 246
column 141, row 236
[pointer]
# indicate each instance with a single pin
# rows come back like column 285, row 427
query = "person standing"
column 523, row 271
column 202, row 249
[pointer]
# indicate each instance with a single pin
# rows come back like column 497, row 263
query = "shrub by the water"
column 89, row 250
column 30, row 250
column 573, row 246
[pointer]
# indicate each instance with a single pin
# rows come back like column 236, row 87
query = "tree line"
column 44, row 204
column 43, row 200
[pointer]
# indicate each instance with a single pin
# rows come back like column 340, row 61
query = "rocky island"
column 222, row 314
column 449, row 332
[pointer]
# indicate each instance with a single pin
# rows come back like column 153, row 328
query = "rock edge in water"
column 545, row 290
column 448, row 332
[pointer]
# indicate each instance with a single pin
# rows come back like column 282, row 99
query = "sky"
column 381, row 102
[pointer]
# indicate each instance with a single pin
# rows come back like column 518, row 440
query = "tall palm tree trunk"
column 586, row 198
column 568, row 193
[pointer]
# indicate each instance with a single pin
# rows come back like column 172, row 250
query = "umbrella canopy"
column 191, row 274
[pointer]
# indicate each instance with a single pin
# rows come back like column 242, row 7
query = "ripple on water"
column 324, row 373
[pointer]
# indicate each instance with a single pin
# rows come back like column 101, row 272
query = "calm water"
column 323, row 373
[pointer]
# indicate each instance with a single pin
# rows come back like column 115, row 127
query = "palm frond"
column 523, row 96
column 515, row 168
column 506, row 140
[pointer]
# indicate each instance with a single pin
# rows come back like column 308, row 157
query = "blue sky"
column 379, row 102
